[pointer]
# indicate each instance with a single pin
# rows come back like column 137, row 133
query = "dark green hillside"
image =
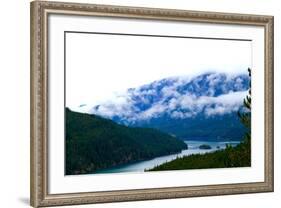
column 239, row 156
column 94, row 143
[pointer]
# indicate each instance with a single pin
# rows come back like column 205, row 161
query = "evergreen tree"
column 245, row 116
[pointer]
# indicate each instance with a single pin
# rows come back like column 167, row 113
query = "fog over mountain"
column 174, row 104
column 179, row 97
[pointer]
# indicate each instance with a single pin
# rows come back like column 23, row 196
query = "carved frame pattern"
column 39, row 103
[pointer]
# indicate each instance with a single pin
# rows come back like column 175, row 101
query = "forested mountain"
column 94, row 143
column 187, row 107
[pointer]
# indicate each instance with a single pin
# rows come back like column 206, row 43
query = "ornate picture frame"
column 41, row 84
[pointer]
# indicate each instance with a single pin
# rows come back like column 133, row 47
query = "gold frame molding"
column 39, row 103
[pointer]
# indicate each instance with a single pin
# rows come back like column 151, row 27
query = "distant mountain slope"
column 94, row 143
column 217, row 128
column 199, row 107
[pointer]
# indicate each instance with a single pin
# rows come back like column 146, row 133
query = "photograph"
column 137, row 103
column 140, row 104
column 149, row 102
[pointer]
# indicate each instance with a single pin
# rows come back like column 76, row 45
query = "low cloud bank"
column 210, row 94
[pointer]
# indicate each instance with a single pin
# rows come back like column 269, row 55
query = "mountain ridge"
column 174, row 105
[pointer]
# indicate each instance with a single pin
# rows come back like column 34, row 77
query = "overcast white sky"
column 99, row 66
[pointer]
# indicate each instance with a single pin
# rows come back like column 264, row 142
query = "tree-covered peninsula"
column 94, row 143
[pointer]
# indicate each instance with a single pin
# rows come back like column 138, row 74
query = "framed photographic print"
column 142, row 103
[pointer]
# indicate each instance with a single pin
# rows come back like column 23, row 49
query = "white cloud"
column 213, row 79
column 129, row 105
column 181, row 115
column 152, row 112
column 170, row 91
column 227, row 103
column 184, row 106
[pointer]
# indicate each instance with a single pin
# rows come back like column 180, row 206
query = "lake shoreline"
column 133, row 162
column 193, row 148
